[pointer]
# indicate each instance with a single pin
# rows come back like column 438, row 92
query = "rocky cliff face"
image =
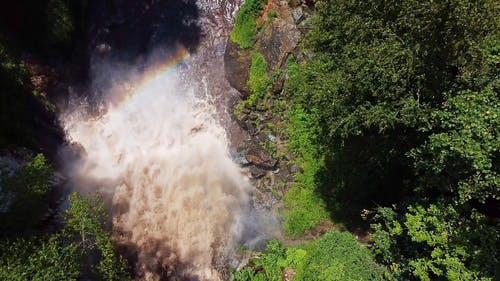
column 281, row 28
column 278, row 37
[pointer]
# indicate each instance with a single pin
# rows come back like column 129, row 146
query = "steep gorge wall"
column 281, row 28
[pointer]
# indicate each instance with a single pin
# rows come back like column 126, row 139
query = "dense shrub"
column 334, row 257
column 83, row 249
column 404, row 97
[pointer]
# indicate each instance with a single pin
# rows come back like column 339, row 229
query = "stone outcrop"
column 264, row 156
column 260, row 157
column 277, row 40
column 237, row 63
column 278, row 37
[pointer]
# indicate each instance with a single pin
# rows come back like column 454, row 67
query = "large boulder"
column 237, row 63
column 277, row 41
column 259, row 157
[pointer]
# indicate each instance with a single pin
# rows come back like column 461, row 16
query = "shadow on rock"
column 129, row 29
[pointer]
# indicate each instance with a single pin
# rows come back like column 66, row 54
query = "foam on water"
column 178, row 200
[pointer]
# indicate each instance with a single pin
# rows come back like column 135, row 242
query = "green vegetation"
column 47, row 259
column 60, row 25
column 245, row 28
column 259, row 83
column 41, row 26
column 403, row 106
column 335, row 256
column 81, row 249
column 270, row 147
column 304, row 206
column 436, row 244
column 85, row 226
column 258, row 80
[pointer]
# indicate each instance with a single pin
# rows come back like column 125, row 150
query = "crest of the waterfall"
column 177, row 197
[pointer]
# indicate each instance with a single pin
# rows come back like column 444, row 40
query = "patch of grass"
column 258, row 80
column 245, row 28
column 292, row 68
column 304, row 207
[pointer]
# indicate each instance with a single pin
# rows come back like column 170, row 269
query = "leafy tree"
column 38, row 260
column 405, row 99
column 83, row 248
column 86, row 229
column 379, row 71
column 430, row 243
column 461, row 154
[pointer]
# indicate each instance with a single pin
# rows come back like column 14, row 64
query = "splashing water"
column 178, row 199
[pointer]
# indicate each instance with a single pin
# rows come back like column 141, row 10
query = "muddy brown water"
column 179, row 202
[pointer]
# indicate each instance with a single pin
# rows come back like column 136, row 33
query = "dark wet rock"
column 8, row 166
column 286, row 176
column 260, row 157
column 237, row 63
column 253, row 116
column 257, row 173
column 278, row 84
column 130, row 29
column 250, row 128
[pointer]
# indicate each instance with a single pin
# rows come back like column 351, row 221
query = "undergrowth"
column 304, row 207
column 259, row 83
column 245, row 28
column 335, row 256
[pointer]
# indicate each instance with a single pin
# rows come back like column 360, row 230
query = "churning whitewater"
column 159, row 151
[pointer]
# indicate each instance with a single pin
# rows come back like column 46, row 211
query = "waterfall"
column 157, row 145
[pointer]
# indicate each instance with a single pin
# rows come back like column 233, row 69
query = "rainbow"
column 151, row 74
